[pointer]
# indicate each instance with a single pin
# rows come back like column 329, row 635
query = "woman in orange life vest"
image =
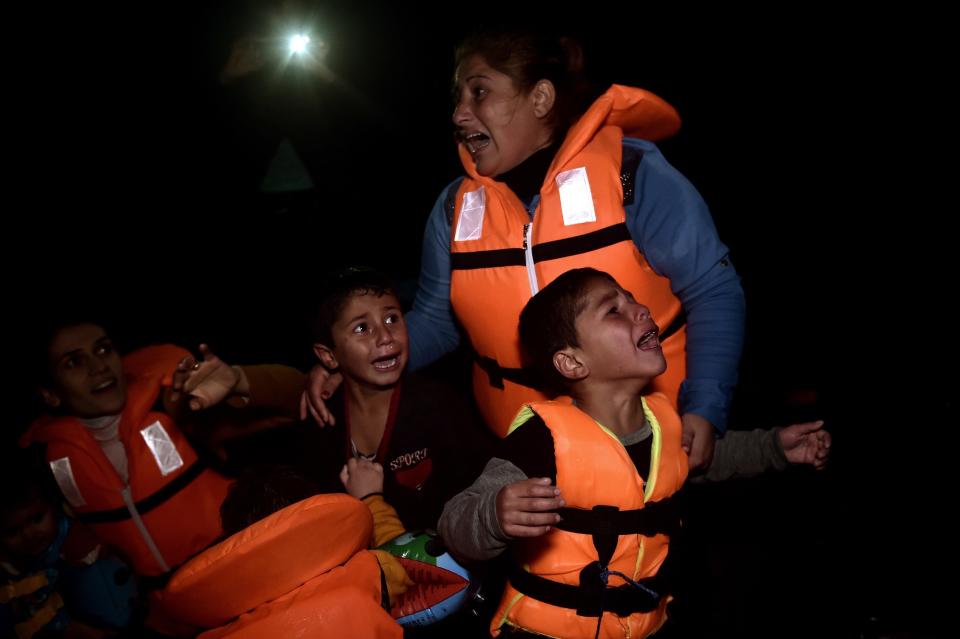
column 116, row 452
column 558, row 177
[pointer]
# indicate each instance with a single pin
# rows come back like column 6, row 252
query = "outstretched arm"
column 806, row 443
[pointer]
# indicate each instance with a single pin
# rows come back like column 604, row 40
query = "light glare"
column 298, row 43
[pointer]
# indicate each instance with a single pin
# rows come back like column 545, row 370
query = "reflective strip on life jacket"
column 576, row 200
column 63, row 474
column 164, row 450
column 470, row 225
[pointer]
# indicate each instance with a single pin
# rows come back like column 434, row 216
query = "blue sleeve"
column 430, row 324
column 672, row 228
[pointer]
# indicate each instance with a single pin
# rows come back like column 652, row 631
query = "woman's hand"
column 320, row 387
column 698, row 440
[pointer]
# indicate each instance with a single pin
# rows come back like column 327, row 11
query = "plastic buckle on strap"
column 605, row 533
column 593, row 581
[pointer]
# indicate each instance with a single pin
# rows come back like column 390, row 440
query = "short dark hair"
column 260, row 491
column 340, row 287
column 548, row 325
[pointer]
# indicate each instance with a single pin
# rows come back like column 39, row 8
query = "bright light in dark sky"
column 299, row 43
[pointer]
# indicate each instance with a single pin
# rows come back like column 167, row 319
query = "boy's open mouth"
column 386, row 363
column 649, row 340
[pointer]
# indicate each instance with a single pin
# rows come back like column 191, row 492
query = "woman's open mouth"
column 475, row 142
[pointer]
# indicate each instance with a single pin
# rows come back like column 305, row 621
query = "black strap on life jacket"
column 610, row 522
column 553, row 250
column 593, row 596
column 146, row 504
column 496, row 373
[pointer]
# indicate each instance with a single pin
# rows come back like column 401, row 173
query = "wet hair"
column 528, row 56
column 260, row 491
column 548, row 325
column 337, row 289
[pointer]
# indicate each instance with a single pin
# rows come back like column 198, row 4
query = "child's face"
column 618, row 338
column 27, row 531
column 87, row 375
column 370, row 340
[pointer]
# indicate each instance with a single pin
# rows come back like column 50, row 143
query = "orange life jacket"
column 301, row 572
column 170, row 508
column 594, row 469
column 500, row 258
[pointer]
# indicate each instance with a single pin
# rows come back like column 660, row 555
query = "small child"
column 581, row 489
column 45, row 558
column 427, row 437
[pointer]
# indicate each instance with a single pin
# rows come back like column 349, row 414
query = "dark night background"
column 813, row 136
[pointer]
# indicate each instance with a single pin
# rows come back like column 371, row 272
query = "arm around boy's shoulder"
column 275, row 387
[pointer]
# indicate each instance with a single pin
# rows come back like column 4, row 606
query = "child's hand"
column 525, row 508
column 212, row 380
column 361, row 477
column 806, row 443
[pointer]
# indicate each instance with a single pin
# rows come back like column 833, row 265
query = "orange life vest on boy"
column 301, row 572
column 500, row 259
column 594, row 469
column 169, row 509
